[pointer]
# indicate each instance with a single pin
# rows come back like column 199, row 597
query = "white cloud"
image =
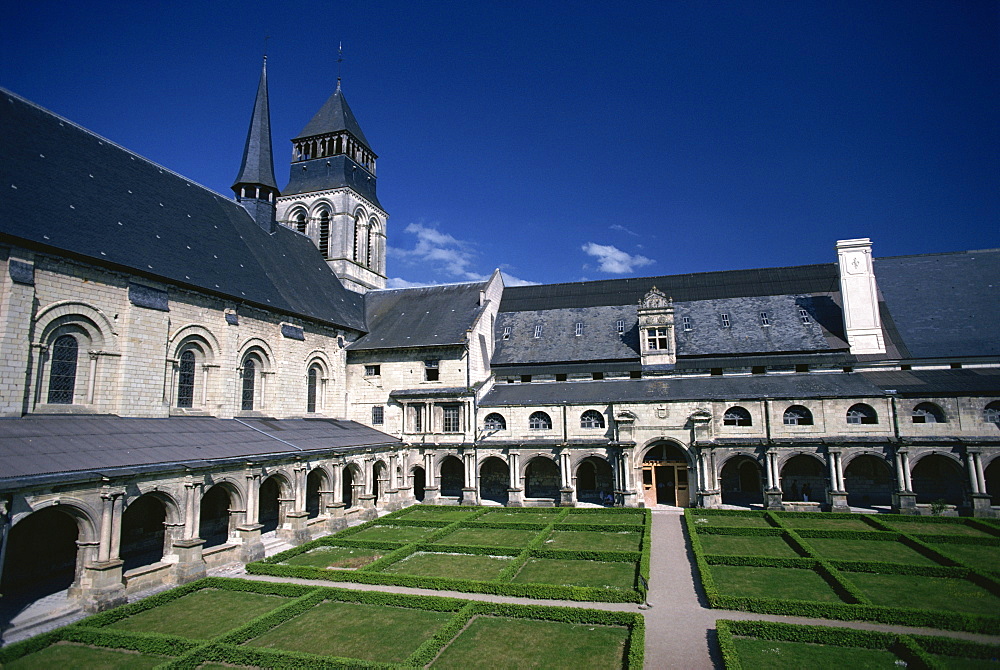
column 511, row 280
column 623, row 229
column 613, row 260
column 399, row 282
column 448, row 255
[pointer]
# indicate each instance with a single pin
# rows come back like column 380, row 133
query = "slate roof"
column 334, row 116
column 258, row 163
column 330, row 172
column 681, row 388
column 427, row 316
column 71, row 192
column 976, row 381
column 600, row 340
column 944, row 305
column 42, row 445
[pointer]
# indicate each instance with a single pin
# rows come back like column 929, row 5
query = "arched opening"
column 185, row 379
column 539, row 421
column 665, row 476
column 868, row 480
column 315, row 481
column 992, row 475
column 347, row 487
column 249, row 384
column 797, row 415
column 324, row 234
column 737, row 416
column 419, row 483
column 591, row 419
column 380, row 480
column 268, row 500
column 62, row 372
column 214, row 526
column 143, row 532
column 803, row 478
column 594, row 481
column 312, row 386
column 541, row 478
column 741, row 482
column 937, row 478
column 40, row 555
column 300, row 222
column 494, row 478
column 927, row 412
column 452, row 477
column 494, row 421
column 862, row 414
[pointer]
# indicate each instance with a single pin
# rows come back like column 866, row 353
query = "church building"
column 186, row 377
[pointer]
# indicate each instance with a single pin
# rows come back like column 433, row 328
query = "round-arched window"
column 797, row 415
column 539, row 421
column 737, row 416
column 862, row 414
column 494, row 421
column 591, row 419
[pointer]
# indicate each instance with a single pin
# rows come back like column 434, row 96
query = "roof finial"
column 340, row 59
column 266, row 38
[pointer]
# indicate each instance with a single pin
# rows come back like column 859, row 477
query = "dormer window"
column 763, row 319
column 578, row 329
column 431, row 370
column 506, row 333
column 725, row 320
column 657, row 339
column 538, row 331
column 686, row 324
column 804, row 316
column 620, row 326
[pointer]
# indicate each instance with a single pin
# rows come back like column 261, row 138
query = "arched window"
column 797, row 415
column 591, row 419
column 862, row 414
column 359, row 241
column 372, row 260
column 300, row 222
column 185, row 379
column 324, row 234
column 494, row 421
column 736, row 416
column 539, row 421
column 991, row 413
column 62, row 374
column 311, row 389
column 928, row 412
column 249, row 384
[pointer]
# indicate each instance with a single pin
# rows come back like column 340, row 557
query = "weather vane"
column 266, row 38
column 340, row 59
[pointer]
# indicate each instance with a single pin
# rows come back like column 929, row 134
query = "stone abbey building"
column 184, row 376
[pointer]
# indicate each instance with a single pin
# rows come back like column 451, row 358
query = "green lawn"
column 593, row 541
column 577, row 573
column 431, row 513
column 977, row 556
column 952, row 663
column 779, row 655
column 336, row 557
column 403, row 534
column 932, row 528
column 506, row 516
column 202, row 614
column 867, row 550
column 521, row 643
column 818, row 522
column 747, row 545
column 489, row 537
column 72, row 655
column 452, row 566
column 757, row 521
column 604, row 518
column 935, row 593
column 782, row 583
column 377, row 633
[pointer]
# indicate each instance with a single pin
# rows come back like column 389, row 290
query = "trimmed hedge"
column 584, row 555
column 752, row 531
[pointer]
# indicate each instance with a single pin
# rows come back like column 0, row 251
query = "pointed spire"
column 333, row 117
column 258, row 165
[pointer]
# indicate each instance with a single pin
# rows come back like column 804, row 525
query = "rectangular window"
column 506, row 333
column 657, row 339
column 373, row 370
column 686, row 322
column 597, row 375
column 635, row 374
column 725, row 320
column 431, row 371
column 620, row 325
column 804, row 315
column 525, row 378
column 418, row 418
column 451, row 419
column 378, row 416
column 763, row 319
column 538, row 331
column 560, row 377
column 578, row 331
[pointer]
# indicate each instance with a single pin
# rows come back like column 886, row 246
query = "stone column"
column 335, row 506
column 979, row 498
column 366, row 495
column 432, row 492
column 567, row 493
column 904, row 500
column 251, row 547
column 838, row 494
column 772, row 497
column 470, row 492
column 295, row 530
column 190, row 563
column 514, row 491
column 392, row 493
column 708, row 495
column 100, row 583
column 629, row 497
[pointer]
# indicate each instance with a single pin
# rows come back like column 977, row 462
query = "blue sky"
column 569, row 141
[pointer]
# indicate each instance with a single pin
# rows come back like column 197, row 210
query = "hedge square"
column 790, row 583
column 577, row 573
column 73, row 655
column 450, row 566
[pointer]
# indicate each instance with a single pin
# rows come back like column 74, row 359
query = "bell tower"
column 331, row 197
column 255, row 187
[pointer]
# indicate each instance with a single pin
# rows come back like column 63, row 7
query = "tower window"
column 804, row 316
column 431, row 371
column 763, row 319
column 725, row 320
column 324, row 234
column 686, row 323
column 538, row 331
column 578, row 329
column 620, row 326
column 300, row 222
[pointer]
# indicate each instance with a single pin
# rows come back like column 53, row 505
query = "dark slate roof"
column 798, row 280
column 976, row 381
column 258, row 164
column 568, row 368
column 334, row 116
column 944, row 305
column 431, row 392
column 41, row 445
column 698, row 388
column 600, row 340
column 71, row 192
column 773, row 360
column 323, row 174
column 428, row 316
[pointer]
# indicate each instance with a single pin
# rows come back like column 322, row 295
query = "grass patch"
column 604, row 518
column 953, row 663
column 402, row 534
column 489, row 537
column 820, row 523
column 782, row 583
column 201, row 614
column 936, row 593
column 72, row 655
column 431, row 513
column 593, row 541
column 377, row 633
column 336, row 557
column 932, row 528
column 779, row 655
column 747, row 545
column 868, row 550
column 502, row 516
column 451, row 566
column 523, row 643
column 976, row 556
column 577, row 573
column 732, row 521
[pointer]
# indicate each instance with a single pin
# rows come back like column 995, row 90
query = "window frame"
column 374, row 370
column 451, row 418
column 724, row 318
column 592, row 420
column 539, row 421
column 737, row 416
column 378, row 415
column 490, row 422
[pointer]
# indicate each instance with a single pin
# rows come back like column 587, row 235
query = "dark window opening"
column 431, row 371
column 185, row 380
column 62, row 375
column 737, row 416
column 378, row 415
column 249, row 382
column 452, row 419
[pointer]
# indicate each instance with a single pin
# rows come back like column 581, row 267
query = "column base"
column 297, row 533
column 904, row 502
column 515, row 497
column 101, row 586
column 772, row 501
column 336, row 521
column 190, row 564
column 567, row 497
column 469, row 497
column 367, row 500
column 251, row 549
column 626, row 499
column 838, row 501
column 432, row 495
column 982, row 505
column 709, row 499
